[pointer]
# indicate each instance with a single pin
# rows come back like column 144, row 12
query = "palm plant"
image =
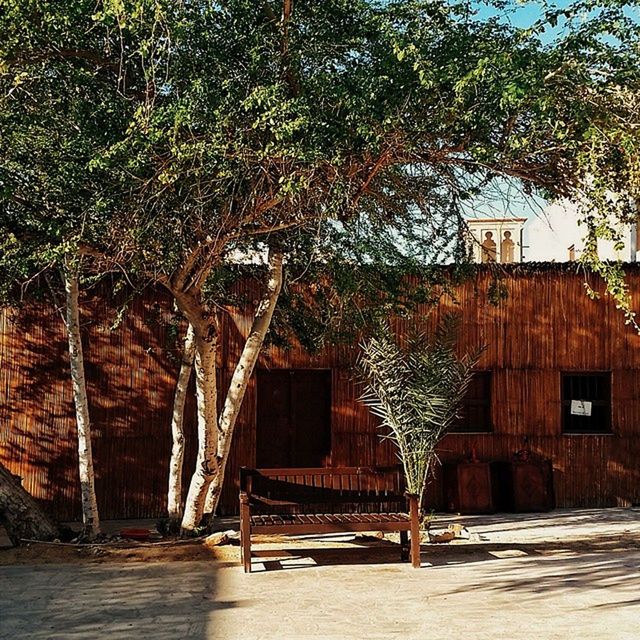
column 417, row 390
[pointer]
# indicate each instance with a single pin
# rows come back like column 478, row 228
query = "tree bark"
column 174, row 495
column 206, row 340
column 242, row 373
column 19, row 512
column 90, row 518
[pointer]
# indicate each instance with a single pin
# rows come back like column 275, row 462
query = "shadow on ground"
column 155, row 601
column 560, row 573
column 371, row 550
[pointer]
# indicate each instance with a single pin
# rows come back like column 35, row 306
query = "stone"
column 442, row 537
column 217, row 539
column 460, row 531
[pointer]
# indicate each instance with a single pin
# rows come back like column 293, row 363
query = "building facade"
column 559, row 377
column 497, row 239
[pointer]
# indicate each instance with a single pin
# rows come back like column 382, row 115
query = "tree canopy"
column 171, row 139
column 208, row 125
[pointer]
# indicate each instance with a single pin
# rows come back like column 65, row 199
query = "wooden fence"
column 545, row 325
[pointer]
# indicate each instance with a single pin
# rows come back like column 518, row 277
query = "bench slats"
column 327, row 518
column 338, row 520
column 326, row 500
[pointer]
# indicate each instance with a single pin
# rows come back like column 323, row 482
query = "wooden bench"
column 328, row 500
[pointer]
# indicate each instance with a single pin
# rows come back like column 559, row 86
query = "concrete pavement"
column 532, row 584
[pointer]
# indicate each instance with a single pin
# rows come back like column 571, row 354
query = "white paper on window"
column 581, row 407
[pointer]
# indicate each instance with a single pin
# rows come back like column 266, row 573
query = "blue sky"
column 523, row 16
column 527, row 12
column 513, row 202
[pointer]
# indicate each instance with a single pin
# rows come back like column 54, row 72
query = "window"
column 476, row 406
column 586, row 402
column 293, row 418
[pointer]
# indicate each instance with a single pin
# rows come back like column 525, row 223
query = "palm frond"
column 416, row 391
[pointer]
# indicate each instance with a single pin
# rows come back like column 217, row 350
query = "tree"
column 273, row 123
column 416, row 390
column 174, row 493
column 609, row 193
column 601, row 44
column 232, row 193
column 59, row 110
column 250, row 129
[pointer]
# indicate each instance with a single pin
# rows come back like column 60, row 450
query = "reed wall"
column 545, row 325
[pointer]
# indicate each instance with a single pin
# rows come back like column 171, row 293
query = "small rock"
column 439, row 538
column 460, row 531
column 216, row 539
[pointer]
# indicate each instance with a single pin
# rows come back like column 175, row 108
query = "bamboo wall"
column 545, row 325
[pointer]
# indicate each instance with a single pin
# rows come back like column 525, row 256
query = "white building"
column 497, row 239
column 553, row 235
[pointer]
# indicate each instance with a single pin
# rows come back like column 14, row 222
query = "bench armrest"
column 245, row 510
column 246, row 480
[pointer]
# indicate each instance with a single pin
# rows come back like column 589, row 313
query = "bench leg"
column 245, row 536
column 245, row 552
column 404, row 546
column 415, row 531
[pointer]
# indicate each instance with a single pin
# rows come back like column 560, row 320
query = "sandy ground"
column 548, row 576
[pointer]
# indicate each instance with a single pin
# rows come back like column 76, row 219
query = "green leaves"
column 60, row 114
column 416, row 390
column 152, row 127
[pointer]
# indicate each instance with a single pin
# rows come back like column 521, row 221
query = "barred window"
column 586, row 402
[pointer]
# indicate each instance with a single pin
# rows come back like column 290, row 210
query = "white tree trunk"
column 174, row 494
column 90, row 518
column 242, row 373
column 206, row 461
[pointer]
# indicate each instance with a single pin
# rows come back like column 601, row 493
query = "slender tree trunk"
column 242, row 373
column 90, row 518
column 174, row 495
column 206, row 461
column 19, row 512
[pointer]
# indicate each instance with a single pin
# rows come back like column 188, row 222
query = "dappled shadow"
column 361, row 550
column 130, row 373
column 586, row 532
column 544, row 326
column 557, row 574
column 120, row 602
column 576, row 522
column 438, row 555
column 616, row 605
column 295, row 556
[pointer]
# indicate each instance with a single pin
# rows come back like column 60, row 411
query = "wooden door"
column 294, row 418
column 532, row 486
column 467, row 487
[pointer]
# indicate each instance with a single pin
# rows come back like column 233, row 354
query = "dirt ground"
column 570, row 530
column 165, row 551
